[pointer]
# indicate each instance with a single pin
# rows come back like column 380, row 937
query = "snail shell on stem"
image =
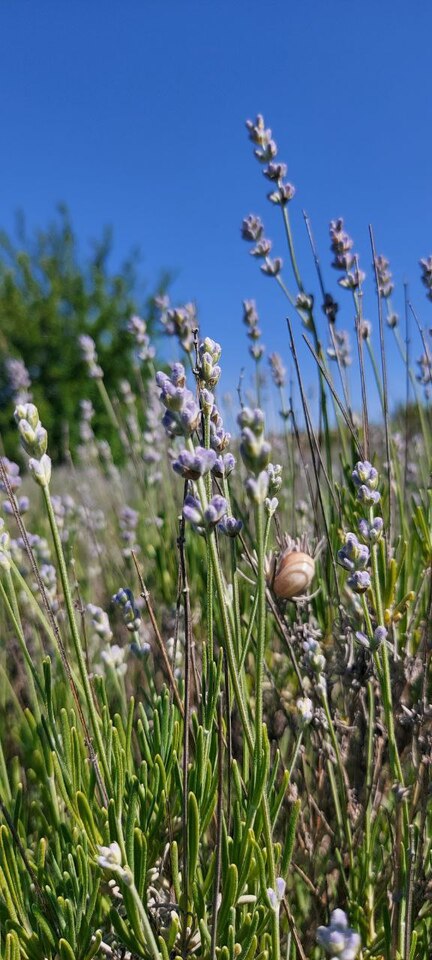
column 294, row 572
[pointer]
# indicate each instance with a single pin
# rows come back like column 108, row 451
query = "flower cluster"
column 265, row 152
column 278, row 371
column 366, row 479
column 182, row 414
column 341, row 245
column 204, row 519
column 125, row 600
column 18, row 380
column 100, row 622
column 128, row 525
column 341, row 349
column 110, row 858
column 314, row 661
column 384, row 277
column 89, row 355
column 208, row 370
column 191, row 466
column 138, row 328
column 373, row 644
column 426, row 269
column 425, row 364
column 305, row 710
column 113, row 657
column 13, row 475
column 34, row 439
column 223, row 465
column 338, row 939
column 180, row 322
column 354, row 556
column 250, row 319
column 276, row 896
column 254, row 448
column 85, row 428
column 5, row 552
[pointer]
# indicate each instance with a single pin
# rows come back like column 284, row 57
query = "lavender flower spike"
column 204, row 520
column 191, row 466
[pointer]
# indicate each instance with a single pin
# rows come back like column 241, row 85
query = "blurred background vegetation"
column 50, row 294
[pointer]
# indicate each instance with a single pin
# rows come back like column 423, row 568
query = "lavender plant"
column 215, row 694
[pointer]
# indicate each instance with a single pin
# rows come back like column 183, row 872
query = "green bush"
column 49, row 295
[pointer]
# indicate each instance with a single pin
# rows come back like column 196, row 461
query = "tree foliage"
column 49, row 295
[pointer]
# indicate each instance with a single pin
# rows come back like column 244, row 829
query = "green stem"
column 88, row 693
column 261, row 633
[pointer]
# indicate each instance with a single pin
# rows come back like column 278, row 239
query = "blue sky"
column 133, row 114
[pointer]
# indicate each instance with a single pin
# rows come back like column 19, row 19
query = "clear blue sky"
column 133, row 114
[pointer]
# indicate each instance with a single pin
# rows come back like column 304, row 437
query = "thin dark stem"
column 337, row 400
column 312, row 442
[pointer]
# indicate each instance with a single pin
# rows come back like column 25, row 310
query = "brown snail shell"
column 293, row 573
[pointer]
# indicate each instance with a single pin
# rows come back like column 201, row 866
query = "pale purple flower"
column 191, row 466
column 371, row 532
column 426, row 268
column 272, row 268
column 353, row 555
column 204, row 520
column 262, row 248
column 19, row 379
column 252, row 228
column 223, row 465
column 13, row 474
column 277, row 369
column 338, row 939
column 384, row 277
column 275, row 171
column 230, row 526
column 359, row 581
column 283, row 195
column 131, row 615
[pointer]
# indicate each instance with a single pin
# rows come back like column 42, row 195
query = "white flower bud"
column 41, row 470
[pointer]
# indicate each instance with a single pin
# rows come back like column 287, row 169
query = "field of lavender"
column 215, row 666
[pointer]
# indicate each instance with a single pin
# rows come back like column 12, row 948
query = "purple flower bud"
column 223, row 465
column 365, row 473
column 192, row 510
column 191, row 466
column 266, row 153
column 254, row 419
column 230, row 526
column 262, row 248
column 257, row 489
column 372, row 532
column 275, row 171
column 359, row 581
column 272, row 267
column 12, row 472
column 368, row 496
column 215, row 510
column 252, row 228
column 283, row 195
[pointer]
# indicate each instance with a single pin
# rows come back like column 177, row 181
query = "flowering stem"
column 88, row 693
column 261, row 633
column 342, row 785
column 234, row 671
column 290, row 240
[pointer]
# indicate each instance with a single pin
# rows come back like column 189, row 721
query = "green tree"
column 49, row 295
